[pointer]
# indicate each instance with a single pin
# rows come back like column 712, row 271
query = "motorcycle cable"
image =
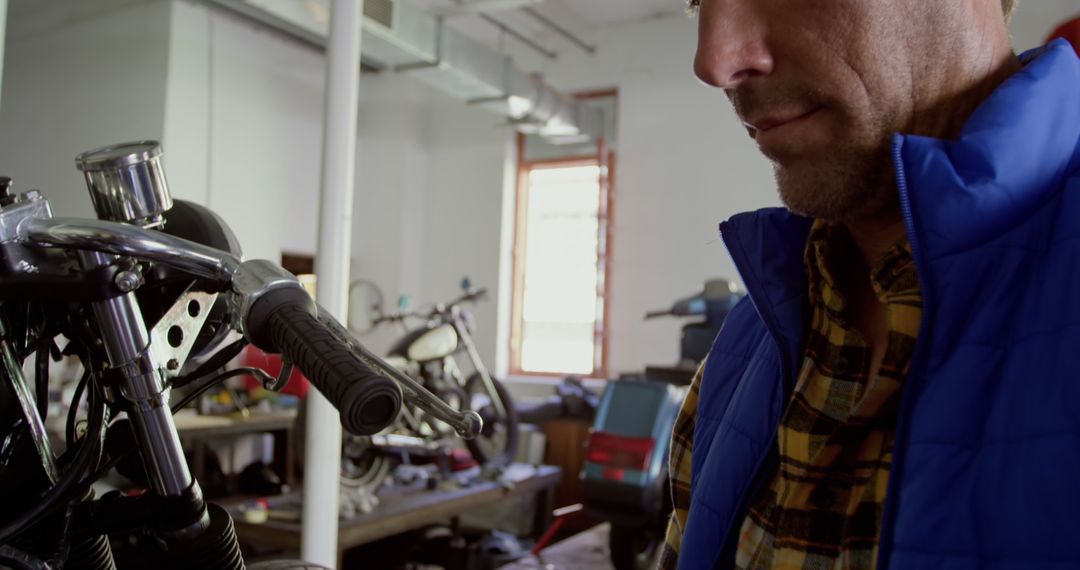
column 113, row 461
column 67, row 487
column 71, row 483
column 41, row 347
column 41, row 381
column 215, row 362
column 76, row 401
column 19, row 560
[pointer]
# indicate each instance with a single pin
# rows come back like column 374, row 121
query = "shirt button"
column 823, row 498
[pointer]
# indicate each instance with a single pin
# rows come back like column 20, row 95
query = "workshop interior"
column 386, row 284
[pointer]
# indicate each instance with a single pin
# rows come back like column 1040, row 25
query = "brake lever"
column 282, row 380
column 467, row 424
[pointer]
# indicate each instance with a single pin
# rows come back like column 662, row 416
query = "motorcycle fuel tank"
column 424, row 345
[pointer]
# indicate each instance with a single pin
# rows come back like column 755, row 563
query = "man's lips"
column 771, row 122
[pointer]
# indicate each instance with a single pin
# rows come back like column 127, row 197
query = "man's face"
column 822, row 84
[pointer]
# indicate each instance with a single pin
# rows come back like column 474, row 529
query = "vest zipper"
column 914, row 367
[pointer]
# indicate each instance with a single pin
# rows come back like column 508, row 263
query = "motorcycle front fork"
column 140, row 390
column 478, row 365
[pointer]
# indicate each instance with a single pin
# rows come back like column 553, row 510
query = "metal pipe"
column 322, row 457
column 126, row 239
column 17, row 382
column 518, row 36
column 591, row 49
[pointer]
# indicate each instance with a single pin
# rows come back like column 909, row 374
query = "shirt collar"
column 891, row 275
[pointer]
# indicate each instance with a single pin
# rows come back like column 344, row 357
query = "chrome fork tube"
column 478, row 364
column 127, row 346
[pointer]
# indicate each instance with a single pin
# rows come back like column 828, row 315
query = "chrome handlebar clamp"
column 253, row 280
column 31, row 205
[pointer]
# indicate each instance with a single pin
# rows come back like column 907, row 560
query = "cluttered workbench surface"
column 399, row 508
column 224, row 425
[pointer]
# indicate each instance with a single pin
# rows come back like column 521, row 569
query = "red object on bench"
column 271, row 363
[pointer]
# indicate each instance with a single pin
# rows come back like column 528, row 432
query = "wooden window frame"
column 605, row 159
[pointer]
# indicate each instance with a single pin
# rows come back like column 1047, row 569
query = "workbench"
column 196, row 430
column 209, row 426
column 403, row 509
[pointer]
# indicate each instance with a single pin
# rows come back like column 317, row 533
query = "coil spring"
column 92, row 553
column 217, row 548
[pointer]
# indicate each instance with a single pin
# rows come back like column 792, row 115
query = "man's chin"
column 822, row 199
column 837, row 206
column 819, row 188
column 811, row 194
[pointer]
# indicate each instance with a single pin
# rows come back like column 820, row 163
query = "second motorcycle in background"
column 432, row 353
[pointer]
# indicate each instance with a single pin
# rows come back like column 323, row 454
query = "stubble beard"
column 845, row 184
column 853, row 178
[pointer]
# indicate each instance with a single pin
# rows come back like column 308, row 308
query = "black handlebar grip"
column 287, row 323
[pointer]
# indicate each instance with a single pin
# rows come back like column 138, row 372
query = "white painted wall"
column 429, row 200
column 392, row 182
column 186, row 138
column 1035, row 19
column 78, row 77
column 243, row 112
column 237, row 108
column 468, row 150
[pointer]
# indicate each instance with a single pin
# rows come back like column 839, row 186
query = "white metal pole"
column 322, row 457
column 3, row 36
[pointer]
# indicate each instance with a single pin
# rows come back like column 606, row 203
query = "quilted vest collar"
column 1013, row 153
column 1011, row 156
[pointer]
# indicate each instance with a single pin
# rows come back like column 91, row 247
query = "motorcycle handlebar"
column 278, row 316
column 286, row 320
column 477, row 295
column 397, row 316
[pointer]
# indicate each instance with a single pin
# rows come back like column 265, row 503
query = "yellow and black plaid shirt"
column 823, row 506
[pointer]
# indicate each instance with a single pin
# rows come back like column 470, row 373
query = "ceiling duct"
column 535, row 107
column 400, row 36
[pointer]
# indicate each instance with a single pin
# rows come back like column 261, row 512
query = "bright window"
column 560, row 269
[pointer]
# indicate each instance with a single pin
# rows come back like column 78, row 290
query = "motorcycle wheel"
column 361, row 464
column 497, row 443
column 634, row 548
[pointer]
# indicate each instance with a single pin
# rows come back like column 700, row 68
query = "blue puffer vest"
column 986, row 471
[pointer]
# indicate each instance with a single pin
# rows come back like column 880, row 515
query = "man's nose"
column 731, row 43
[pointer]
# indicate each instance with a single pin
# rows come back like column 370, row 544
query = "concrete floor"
column 585, row 551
